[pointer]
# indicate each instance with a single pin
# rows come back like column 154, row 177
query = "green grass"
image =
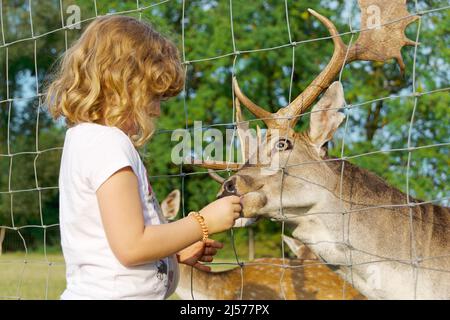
column 31, row 276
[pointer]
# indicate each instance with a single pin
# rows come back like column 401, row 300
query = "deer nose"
column 238, row 185
column 229, row 186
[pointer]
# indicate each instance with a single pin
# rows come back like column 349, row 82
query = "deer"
column 304, row 278
column 384, row 242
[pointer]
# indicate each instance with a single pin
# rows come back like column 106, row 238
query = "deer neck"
column 362, row 220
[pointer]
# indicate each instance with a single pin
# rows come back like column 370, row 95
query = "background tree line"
column 265, row 76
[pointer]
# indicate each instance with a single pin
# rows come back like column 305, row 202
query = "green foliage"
column 264, row 75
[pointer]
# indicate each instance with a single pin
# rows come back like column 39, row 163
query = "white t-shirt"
column 91, row 154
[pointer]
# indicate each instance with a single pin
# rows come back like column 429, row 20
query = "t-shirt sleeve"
column 108, row 153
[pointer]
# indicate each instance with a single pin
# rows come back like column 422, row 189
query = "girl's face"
column 156, row 108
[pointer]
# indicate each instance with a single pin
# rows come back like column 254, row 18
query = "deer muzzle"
column 244, row 186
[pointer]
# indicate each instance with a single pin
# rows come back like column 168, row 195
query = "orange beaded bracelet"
column 202, row 223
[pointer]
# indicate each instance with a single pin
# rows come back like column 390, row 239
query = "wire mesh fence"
column 20, row 232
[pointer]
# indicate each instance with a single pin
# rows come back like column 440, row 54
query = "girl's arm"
column 132, row 242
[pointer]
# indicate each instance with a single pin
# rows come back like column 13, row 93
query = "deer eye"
column 283, row 144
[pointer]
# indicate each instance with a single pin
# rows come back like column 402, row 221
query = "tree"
column 265, row 75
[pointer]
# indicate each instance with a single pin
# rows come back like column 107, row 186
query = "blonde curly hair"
column 114, row 75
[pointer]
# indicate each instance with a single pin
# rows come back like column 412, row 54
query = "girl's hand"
column 221, row 214
column 199, row 251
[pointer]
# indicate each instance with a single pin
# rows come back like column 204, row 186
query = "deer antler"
column 382, row 36
column 245, row 146
column 259, row 112
column 388, row 34
column 215, row 165
column 320, row 83
column 215, row 176
column 380, row 40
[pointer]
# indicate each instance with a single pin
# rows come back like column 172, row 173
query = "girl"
column 114, row 239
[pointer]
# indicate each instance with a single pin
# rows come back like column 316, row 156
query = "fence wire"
column 414, row 262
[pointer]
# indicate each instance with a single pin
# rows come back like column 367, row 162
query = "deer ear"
column 325, row 118
column 171, row 205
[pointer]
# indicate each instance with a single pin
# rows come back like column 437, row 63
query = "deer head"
column 295, row 173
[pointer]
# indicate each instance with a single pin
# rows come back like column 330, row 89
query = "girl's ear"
column 325, row 118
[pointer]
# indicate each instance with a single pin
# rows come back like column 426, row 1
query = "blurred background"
column 271, row 72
